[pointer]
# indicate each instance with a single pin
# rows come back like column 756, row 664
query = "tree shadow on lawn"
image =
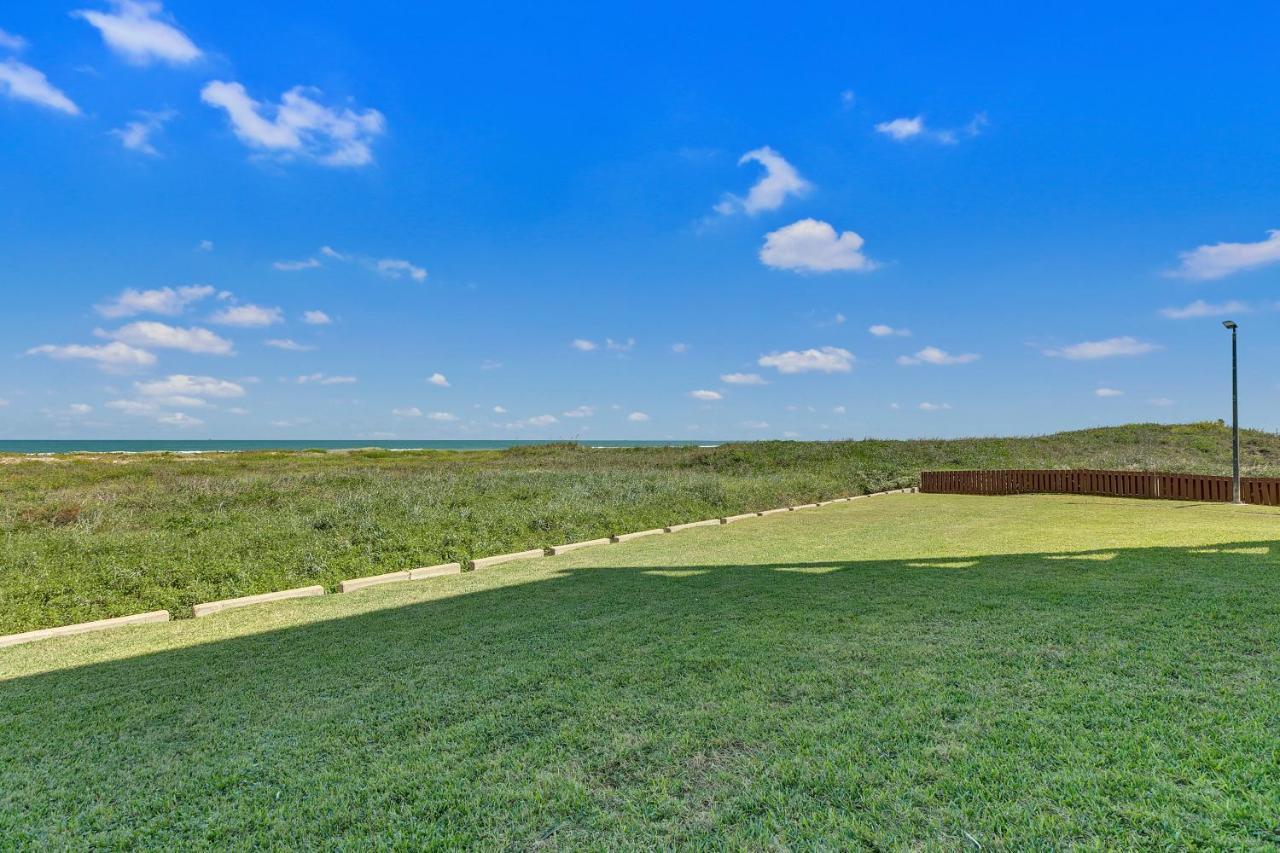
column 1121, row 694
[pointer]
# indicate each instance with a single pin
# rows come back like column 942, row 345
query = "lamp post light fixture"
column 1235, row 418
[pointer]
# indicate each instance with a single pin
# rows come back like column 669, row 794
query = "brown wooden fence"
column 1124, row 484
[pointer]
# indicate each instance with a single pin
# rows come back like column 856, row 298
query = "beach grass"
column 903, row 672
column 96, row 536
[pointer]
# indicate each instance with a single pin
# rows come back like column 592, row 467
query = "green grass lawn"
column 90, row 537
column 914, row 671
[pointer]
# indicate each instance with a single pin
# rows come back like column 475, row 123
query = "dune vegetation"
column 93, row 536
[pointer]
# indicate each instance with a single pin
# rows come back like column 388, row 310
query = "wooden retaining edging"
column 84, row 627
column 209, row 608
column 1120, row 484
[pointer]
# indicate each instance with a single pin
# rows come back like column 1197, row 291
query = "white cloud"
column 839, row 410
column 582, row 344
column 112, row 356
column 848, row 98
column 880, row 330
column 779, row 181
column 442, row 417
column 1109, row 348
column 154, row 335
column 80, row 408
column 299, row 125
column 316, row 318
column 182, row 385
column 179, row 419
column 1108, row 392
column 756, row 424
column 296, row 266
column 706, row 396
column 1200, row 308
column 138, row 31
column 324, row 379
column 289, row 344
column 581, row 412
column 396, row 268
column 248, row 316
column 1160, row 401
column 490, row 364
column 637, row 417
column 680, row 349
column 934, row 407
column 21, row 82
column 743, row 379
column 933, row 355
column 620, row 346
column 136, row 135
column 542, row 420
column 813, row 246
column 205, row 246
column 499, row 410
column 9, row 41
column 902, row 128
column 823, row 360
column 330, row 252
column 410, row 412
column 1223, row 259
column 167, row 301
column 438, row 380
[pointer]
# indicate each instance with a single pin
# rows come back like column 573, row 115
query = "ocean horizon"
column 43, row 447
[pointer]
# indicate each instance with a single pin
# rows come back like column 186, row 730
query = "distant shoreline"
column 37, row 447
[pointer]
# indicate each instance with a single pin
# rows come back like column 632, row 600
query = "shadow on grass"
column 1108, row 694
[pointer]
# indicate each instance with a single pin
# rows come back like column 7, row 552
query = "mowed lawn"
column 911, row 671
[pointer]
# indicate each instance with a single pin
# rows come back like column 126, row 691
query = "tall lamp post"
column 1235, row 418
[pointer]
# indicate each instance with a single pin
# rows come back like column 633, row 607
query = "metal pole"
column 1235, row 425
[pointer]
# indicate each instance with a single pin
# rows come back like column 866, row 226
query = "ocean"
column 225, row 446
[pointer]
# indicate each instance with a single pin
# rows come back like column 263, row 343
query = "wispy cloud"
column 934, row 407
column 299, row 126
column 248, row 316
column 166, row 301
column 1108, row 392
column 583, row 345
column 316, row 318
column 184, row 385
column 1200, row 308
column 743, row 379
column 289, row 344
column 821, row 360
column 9, row 41
column 1223, row 259
column 397, row 268
column 814, row 246
column 880, row 330
column 1110, row 348
column 150, row 334
column 637, row 417
column 115, row 356
column 21, row 82
column 324, row 379
column 779, row 182
column 141, row 33
column 296, row 266
column 933, row 355
column 706, row 395
column 580, row 412
column 915, row 127
column 409, row 412
column 136, row 135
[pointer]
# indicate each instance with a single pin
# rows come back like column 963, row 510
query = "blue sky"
column 245, row 220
